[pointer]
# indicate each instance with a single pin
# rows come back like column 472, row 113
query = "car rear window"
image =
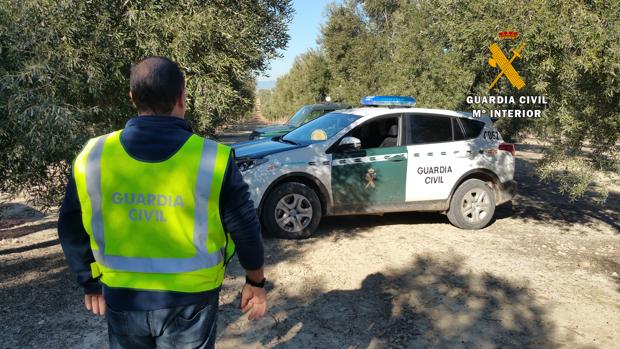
column 429, row 129
column 472, row 127
column 457, row 131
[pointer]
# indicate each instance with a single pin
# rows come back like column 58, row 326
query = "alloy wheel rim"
column 293, row 213
column 475, row 205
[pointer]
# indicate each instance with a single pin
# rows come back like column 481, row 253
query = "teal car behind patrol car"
column 383, row 157
column 304, row 115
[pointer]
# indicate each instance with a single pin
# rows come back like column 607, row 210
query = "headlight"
column 246, row 164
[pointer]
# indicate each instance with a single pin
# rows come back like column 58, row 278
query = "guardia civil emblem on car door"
column 370, row 179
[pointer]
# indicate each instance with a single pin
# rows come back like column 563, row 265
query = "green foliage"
column 572, row 56
column 351, row 52
column 437, row 51
column 305, row 83
column 264, row 97
column 64, row 68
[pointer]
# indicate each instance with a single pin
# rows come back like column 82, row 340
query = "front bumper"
column 507, row 191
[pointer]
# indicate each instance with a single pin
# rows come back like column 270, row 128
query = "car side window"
column 472, row 127
column 378, row 133
column 424, row 129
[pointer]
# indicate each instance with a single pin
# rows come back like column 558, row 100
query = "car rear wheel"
column 472, row 205
column 291, row 211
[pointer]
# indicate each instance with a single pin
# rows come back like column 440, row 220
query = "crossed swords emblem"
column 500, row 60
column 370, row 178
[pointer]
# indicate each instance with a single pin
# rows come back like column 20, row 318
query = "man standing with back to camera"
column 151, row 217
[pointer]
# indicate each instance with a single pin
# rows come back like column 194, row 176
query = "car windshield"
column 299, row 117
column 320, row 129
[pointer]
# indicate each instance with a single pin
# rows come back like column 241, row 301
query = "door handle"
column 397, row 158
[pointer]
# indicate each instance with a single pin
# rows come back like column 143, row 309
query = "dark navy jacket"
column 156, row 138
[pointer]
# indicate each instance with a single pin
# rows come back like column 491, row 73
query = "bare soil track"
column 544, row 274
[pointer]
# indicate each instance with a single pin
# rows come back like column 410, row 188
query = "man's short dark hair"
column 156, row 83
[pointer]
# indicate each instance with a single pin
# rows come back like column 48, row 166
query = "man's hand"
column 253, row 298
column 95, row 303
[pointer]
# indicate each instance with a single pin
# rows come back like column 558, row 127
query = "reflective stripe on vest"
column 202, row 191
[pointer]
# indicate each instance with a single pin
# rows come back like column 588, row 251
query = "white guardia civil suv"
column 383, row 157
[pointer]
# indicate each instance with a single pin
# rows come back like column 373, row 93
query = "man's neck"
column 171, row 115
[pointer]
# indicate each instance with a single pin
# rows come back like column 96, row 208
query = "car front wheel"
column 472, row 205
column 291, row 211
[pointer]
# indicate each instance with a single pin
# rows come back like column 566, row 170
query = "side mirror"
column 350, row 143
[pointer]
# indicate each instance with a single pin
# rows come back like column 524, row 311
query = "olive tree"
column 64, row 68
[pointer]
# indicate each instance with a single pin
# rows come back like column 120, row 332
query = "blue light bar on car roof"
column 388, row 101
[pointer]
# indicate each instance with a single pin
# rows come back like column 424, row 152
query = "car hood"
column 261, row 148
column 274, row 129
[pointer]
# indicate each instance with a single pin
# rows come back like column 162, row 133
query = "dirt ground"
column 544, row 274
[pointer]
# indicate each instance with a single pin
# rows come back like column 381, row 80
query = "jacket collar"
column 158, row 121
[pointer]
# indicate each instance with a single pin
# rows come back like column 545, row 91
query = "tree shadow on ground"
column 42, row 305
column 18, row 219
column 23, row 230
column 17, row 211
column 433, row 303
column 27, row 248
column 348, row 225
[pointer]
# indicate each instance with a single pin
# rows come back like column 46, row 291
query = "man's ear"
column 131, row 100
column 181, row 100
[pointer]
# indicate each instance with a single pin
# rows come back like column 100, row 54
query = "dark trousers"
column 190, row 326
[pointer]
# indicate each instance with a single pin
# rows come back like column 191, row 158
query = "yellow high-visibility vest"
column 154, row 225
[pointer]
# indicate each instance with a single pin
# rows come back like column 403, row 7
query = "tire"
column 291, row 211
column 466, row 210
